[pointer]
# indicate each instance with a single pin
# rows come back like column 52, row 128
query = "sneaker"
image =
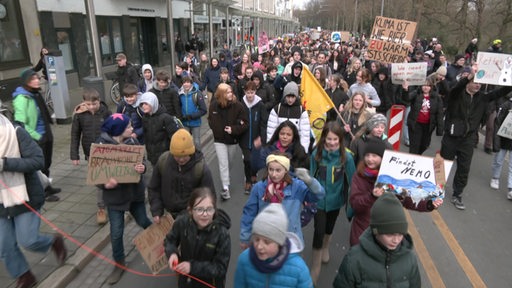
column 101, row 216
column 52, row 198
column 248, row 187
column 457, row 201
column 225, row 194
column 509, row 194
column 495, row 183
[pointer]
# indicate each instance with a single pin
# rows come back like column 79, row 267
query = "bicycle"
column 115, row 93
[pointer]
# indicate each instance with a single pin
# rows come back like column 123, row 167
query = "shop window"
column 111, row 41
column 63, row 38
column 13, row 46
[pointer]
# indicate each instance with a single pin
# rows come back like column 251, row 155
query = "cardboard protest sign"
column 263, row 44
column 114, row 161
column 150, row 244
column 494, row 68
column 414, row 73
column 390, row 39
column 412, row 175
column 506, row 127
column 345, row 36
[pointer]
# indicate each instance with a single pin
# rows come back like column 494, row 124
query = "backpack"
column 7, row 110
column 198, row 167
column 503, row 109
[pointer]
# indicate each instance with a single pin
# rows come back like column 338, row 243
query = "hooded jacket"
column 143, row 84
column 281, row 81
column 385, row 89
column 127, row 74
column 135, row 113
column 86, row 126
column 264, row 91
column 26, row 111
column 211, row 77
column 193, row 106
column 208, row 250
column 258, row 118
column 169, row 98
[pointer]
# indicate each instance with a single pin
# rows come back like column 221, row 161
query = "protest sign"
column 390, row 39
column 413, row 73
column 336, row 37
column 345, row 36
column 411, row 175
column 150, row 244
column 263, row 44
column 494, row 68
column 506, row 127
column 114, row 161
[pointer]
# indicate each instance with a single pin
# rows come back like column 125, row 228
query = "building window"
column 13, row 46
column 63, row 38
column 111, row 41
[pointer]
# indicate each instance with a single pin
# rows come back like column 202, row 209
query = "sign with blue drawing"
column 413, row 175
column 336, row 37
column 494, row 68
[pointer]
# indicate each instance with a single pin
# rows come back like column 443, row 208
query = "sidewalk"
column 75, row 215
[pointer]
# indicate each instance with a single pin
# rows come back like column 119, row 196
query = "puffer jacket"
column 370, row 265
column 193, row 106
column 233, row 115
column 121, row 197
column 265, row 91
column 169, row 98
column 170, row 189
column 257, row 122
column 211, row 78
column 208, row 250
column 86, row 126
column 294, row 113
column 29, row 163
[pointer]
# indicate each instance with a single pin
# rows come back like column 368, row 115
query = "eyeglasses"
column 201, row 210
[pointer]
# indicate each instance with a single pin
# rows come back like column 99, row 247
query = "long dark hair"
column 289, row 124
column 334, row 127
column 299, row 156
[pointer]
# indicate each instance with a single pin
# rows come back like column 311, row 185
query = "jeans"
column 21, row 231
column 196, row 135
column 116, row 218
column 225, row 154
column 497, row 164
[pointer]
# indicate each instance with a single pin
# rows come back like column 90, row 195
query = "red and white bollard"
column 395, row 125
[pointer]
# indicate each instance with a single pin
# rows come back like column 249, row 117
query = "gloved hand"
column 303, row 174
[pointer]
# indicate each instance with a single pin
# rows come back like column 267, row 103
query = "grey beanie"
column 272, row 223
column 375, row 120
column 151, row 99
column 291, row 89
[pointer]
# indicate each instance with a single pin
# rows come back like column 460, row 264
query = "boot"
column 325, row 248
column 51, row 190
column 59, row 249
column 101, row 216
column 26, row 280
column 316, row 265
column 116, row 274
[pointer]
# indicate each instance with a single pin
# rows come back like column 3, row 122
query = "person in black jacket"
column 385, row 89
column 199, row 243
column 126, row 72
column 20, row 160
column 466, row 106
column 263, row 90
column 337, row 92
column 167, row 93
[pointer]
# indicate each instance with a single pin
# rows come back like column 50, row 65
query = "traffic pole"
column 395, row 126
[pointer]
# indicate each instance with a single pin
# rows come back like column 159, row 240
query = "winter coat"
column 168, row 97
column 208, row 250
column 26, row 111
column 356, row 122
column 265, row 91
column 294, row 113
column 158, row 130
column 281, row 81
column 193, row 106
column 120, row 197
column 29, row 163
column 370, row 265
column 300, row 159
column 135, row 113
column 295, row 194
column 143, row 84
column 293, row 274
column 358, row 146
column 169, row 188
column 502, row 111
column 386, row 91
column 338, row 97
column 86, row 126
column 257, row 127
column 211, row 78
column 233, row 115
column 332, row 174
column 368, row 90
column 127, row 74
column 452, row 72
column 415, row 99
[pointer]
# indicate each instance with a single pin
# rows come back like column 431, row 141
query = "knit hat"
column 26, row 75
column 115, row 124
column 283, row 160
column 374, row 145
column 291, row 89
column 441, row 71
column 182, row 143
column 387, row 215
column 375, row 120
column 272, row 223
column 466, row 69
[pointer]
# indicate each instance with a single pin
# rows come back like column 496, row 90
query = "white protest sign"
column 414, row 73
column 506, row 127
column 494, row 68
column 410, row 175
column 336, row 37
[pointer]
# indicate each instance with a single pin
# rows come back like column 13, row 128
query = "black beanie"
column 26, row 75
column 387, row 215
column 374, row 145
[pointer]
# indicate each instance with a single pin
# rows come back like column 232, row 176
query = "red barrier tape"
column 99, row 255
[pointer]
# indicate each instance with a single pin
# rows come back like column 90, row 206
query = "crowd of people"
column 253, row 104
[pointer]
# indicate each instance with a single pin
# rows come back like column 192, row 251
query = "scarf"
column 274, row 191
column 270, row 265
column 12, row 188
column 280, row 147
column 370, row 173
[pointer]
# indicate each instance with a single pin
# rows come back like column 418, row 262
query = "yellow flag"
column 315, row 100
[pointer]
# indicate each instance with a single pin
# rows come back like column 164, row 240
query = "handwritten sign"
column 150, row 244
column 390, row 39
column 411, row 175
column 114, row 161
column 494, row 68
column 506, row 127
column 414, row 73
column 263, row 44
column 345, row 36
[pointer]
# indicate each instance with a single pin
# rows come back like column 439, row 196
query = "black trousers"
column 324, row 224
column 46, row 144
column 460, row 149
column 419, row 137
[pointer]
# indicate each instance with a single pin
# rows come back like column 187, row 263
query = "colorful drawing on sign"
column 411, row 175
column 494, row 68
column 413, row 73
column 390, row 39
column 263, row 45
column 336, row 37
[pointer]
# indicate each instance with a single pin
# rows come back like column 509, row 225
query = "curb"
column 75, row 263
